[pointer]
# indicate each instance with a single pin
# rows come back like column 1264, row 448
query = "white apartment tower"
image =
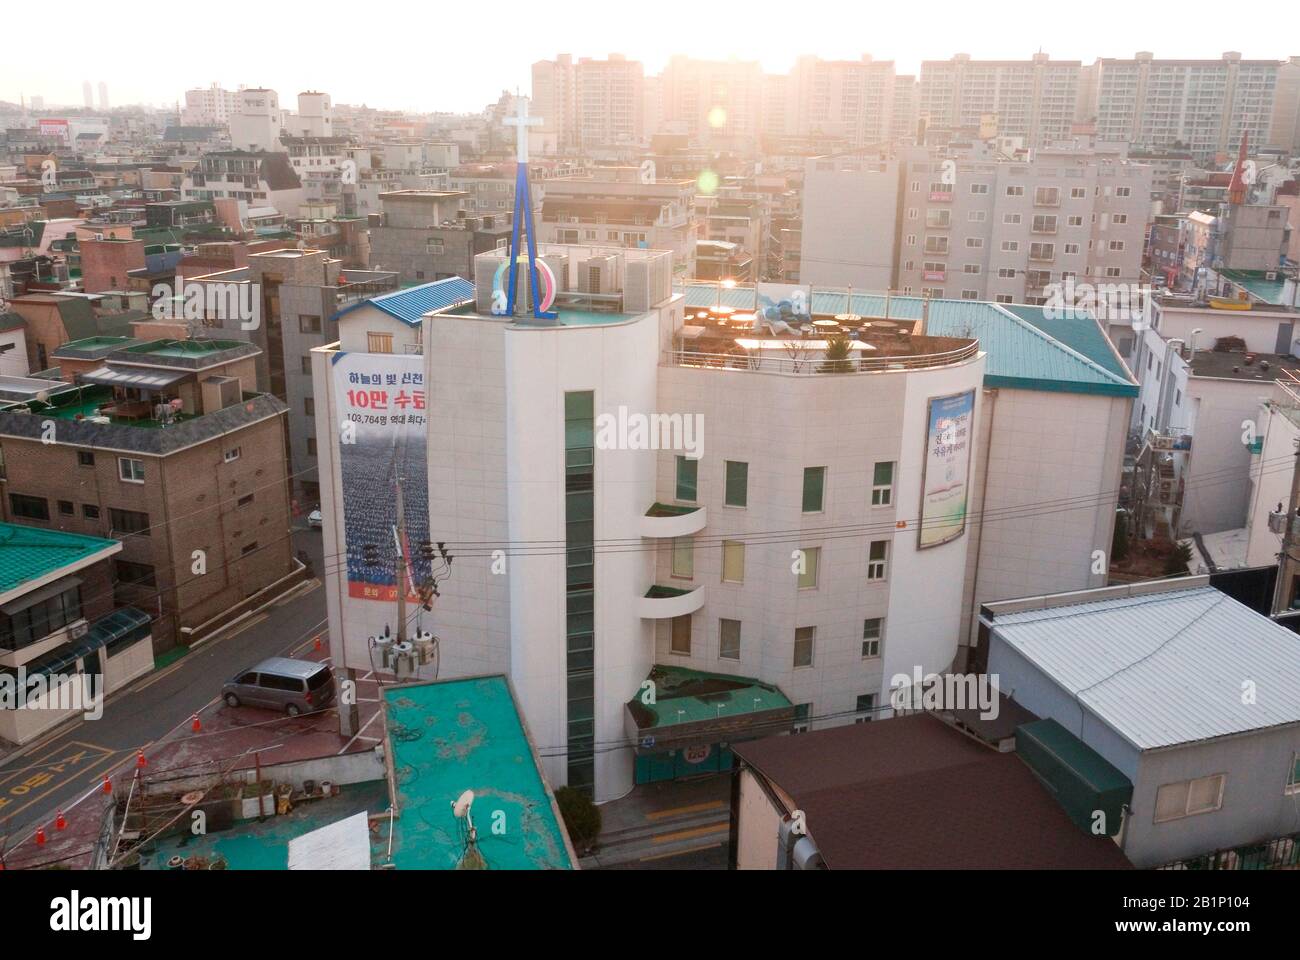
column 258, row 121
column 852, row 99
column 1202, row 105
column 1034, row 98
column 209, row 107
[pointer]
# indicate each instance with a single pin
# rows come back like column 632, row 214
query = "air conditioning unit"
column 598, row 275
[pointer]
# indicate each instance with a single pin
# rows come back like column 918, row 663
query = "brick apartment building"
column 106, row 262
column 163, row 446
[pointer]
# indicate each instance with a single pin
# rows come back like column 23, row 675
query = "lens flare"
column 708, row 182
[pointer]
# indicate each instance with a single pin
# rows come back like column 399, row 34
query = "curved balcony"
column 668, row 520
column 664, row 603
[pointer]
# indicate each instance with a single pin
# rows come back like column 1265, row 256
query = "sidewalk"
column 659, row 821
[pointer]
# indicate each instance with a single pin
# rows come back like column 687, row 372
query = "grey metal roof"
column 1165, row 668
column 134, row 377
column 158, row 441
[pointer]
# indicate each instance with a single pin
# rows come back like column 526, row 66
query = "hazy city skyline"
column 421, row 72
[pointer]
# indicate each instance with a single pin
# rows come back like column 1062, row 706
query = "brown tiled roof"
column 912, row 793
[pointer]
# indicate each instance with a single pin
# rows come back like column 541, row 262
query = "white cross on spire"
column 523, row 121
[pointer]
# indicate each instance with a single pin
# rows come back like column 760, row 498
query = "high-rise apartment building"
column 849, row 99
column 209, row 107
column 718, row 102
column 588, row 104
column 1034, row 98
column 1201, row 105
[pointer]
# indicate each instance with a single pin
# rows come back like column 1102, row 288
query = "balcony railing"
column 813, row 364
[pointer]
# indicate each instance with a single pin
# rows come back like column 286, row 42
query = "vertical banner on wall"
column 380, row 400
column 946, row 468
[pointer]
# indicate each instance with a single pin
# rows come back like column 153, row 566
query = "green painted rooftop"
column 184, row 348
column 450, row 736
column 1258, row 284
column 29, row 553
column 691, row 696
column 1024, row 349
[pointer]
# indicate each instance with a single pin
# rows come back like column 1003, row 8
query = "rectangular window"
column 733, row 561
column 681, row 635
column 877, row 560
column 85, row 458
column 866, row 708
column 248, row 548
column 130, row 470
column 90, row 511
column 308, row 324
column 873, row 632
column 309, row 406
column 379, row 342
column 128, row 521
column 29, row 508
column 1187, row 798
column 66, row 508
column 802, row 718
column 231, row 455
column 306, row 365
column 814, row 487
column 810, row 558
column 729, row 639
column 882, row 484
column 803, row 646
column 1293, row 779
column 737, row 493
column 688, row 474
column 684, row 557
column 138, row 574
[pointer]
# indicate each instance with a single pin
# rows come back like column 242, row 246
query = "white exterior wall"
column 1270, row 483
column 780, row 424
column 618, row 362
column 1259, row 328
column 850, row 213
column 1055, row 462
column 1217, row 493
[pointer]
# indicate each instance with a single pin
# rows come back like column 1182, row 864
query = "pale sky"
column 459, row 56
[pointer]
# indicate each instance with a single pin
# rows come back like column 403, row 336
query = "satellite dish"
column 461, row 807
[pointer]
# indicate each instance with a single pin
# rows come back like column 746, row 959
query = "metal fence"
column 1282, row 853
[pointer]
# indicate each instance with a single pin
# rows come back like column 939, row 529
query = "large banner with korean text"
column 380, row 399
column 946, row 468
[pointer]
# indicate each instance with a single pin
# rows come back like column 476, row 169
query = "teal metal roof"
column 1024, row 349
column 412, row 303
column 28, row 553
column 691, row 696
column 450, row 736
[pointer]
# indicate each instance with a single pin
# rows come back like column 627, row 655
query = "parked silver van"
column 278, row 683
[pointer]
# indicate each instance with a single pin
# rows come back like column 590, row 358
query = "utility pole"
column 401, row 566
column 1288, row 565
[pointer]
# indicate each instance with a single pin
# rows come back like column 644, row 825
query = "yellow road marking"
column 693, row 808
column 665, row 856
column 689, row 834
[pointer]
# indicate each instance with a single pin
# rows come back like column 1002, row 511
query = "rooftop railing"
column 816, row 363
